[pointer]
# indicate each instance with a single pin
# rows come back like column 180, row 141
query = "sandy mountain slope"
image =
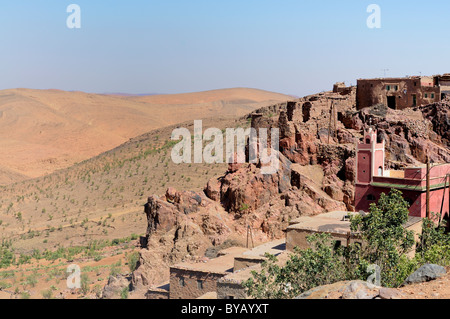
column 45, row 130
column 101, row 198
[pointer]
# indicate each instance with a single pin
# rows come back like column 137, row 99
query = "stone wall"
column 184, row 283
column 401, row 90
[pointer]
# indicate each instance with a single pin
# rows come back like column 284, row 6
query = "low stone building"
column 401, row 93
column 159, row 292
column 231, row 286
column 256, row 255
column 200, row 280
column 192, row 280
column 337, row 224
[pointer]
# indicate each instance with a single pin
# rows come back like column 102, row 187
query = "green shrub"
column 132, row 260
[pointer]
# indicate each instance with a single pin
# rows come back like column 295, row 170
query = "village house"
column 337, row 225
column 401, row 93
column 372, row 179
column 199, row 280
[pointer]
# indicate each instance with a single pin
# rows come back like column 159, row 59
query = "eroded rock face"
column 162, row 213
column 410, row 134
column 181, row 225
column 439, row 115
column 246, row 188
column 185, row 224
column 116, row 284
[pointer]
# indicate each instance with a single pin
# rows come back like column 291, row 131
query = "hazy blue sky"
column 170, row 46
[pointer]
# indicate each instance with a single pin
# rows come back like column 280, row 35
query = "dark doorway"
column 443, row 95
column 414, row 100
column 391, row 102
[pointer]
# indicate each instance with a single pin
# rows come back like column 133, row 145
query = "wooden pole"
column 428, row 186
column 443, row 198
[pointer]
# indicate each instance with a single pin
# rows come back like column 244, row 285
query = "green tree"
column 132, row 260
column 305, row 269
column 384, row 236
column 124, row 293
column 85, row 281
column 434, row 244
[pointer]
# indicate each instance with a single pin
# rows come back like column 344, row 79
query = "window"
column 388, row 87
column 200, row 284
column 426, row 95
column 370, row 197
column 396, row 87
column 337, row 244
column 432, row 95
column 181, row 281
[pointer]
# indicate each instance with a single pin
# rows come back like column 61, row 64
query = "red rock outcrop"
column 318, row 135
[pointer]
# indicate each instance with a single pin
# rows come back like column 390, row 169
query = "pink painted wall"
column 414, row 177
column 378, row 162
column 364, row 163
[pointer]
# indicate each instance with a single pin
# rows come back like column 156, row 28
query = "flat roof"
column 222, row 264
column 331, row 222
column 244, row 274
column 274, row 248
column 396, row 78
column 209, row 295
column 164, row 287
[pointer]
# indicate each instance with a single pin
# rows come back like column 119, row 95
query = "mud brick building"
column 193, row 280
column 200, row 280
column 336, row 224
column 372, row 179
column 401, row 93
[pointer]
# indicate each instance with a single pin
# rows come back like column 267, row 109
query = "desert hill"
column 45, row 130
column 102, row 197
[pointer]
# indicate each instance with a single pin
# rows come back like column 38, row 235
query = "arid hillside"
column 45, row 130
column 101, row 198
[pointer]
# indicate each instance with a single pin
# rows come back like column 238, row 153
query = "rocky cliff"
column 318, row 135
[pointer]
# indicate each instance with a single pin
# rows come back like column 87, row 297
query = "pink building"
column 372, row 179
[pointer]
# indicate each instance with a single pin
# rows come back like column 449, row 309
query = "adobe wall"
column 374, row 91
column 298, row 238
column 156, row 294
column 363, row 204
column 436, row 202
column 416, row 199
column 225, row 290
column 245, row 262
column 190, row 290
column 364, row 159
